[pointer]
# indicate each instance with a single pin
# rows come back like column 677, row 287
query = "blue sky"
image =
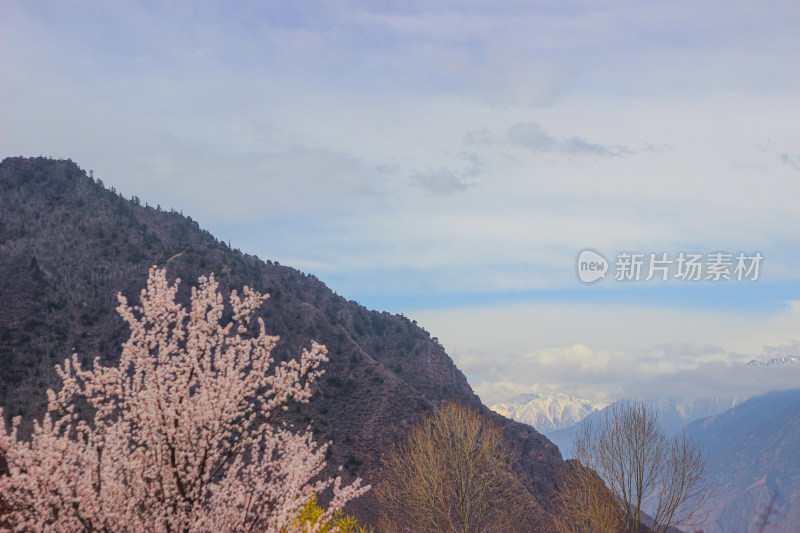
column 448, row 160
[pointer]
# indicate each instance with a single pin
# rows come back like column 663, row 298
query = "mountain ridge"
column 68, row 245
column 547, row 412
column 776, row 361
column 673, row 414
column 754, row 455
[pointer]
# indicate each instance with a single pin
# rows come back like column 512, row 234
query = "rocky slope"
column 68, row 245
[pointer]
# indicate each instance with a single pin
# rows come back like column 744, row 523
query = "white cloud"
column 623, row 350
column 449, row 150
column 442, row 182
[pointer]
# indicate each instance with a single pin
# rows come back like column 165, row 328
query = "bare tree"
column 585, row 505
column 655, row 480
column 453, row 474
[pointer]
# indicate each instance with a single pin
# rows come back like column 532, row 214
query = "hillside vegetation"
column 68, row 245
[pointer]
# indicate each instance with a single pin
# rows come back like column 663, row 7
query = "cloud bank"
column 449, row 155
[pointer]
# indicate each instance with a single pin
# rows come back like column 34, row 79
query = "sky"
column 450, row 160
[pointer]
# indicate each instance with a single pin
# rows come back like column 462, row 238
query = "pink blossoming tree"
column 184, row 434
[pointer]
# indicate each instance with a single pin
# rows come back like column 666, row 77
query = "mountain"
column 673, row 414
column 754, row 455
column 547, row 413
column 776, row 361
column 68, row 245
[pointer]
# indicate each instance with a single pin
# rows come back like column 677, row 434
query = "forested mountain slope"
column 68, row 245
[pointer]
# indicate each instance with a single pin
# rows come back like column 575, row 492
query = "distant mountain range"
column 557, row 414
column 547, row 412
column 777, row 361
column 753, row 454
column 673, row 413
column 752, row 447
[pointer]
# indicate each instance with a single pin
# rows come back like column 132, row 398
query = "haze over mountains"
column 754, row 456
column 555, row 414
column 752, row 447
column 674, row 414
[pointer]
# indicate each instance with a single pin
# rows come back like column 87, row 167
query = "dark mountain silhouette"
column 68, row 245
column 754, row 455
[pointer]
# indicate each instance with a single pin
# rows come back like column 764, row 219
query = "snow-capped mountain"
column 547, row 412
column 777, row 361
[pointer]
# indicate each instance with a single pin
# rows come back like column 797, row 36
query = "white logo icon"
column 592, row 266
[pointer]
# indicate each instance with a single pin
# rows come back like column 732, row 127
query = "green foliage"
column 312, row 514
